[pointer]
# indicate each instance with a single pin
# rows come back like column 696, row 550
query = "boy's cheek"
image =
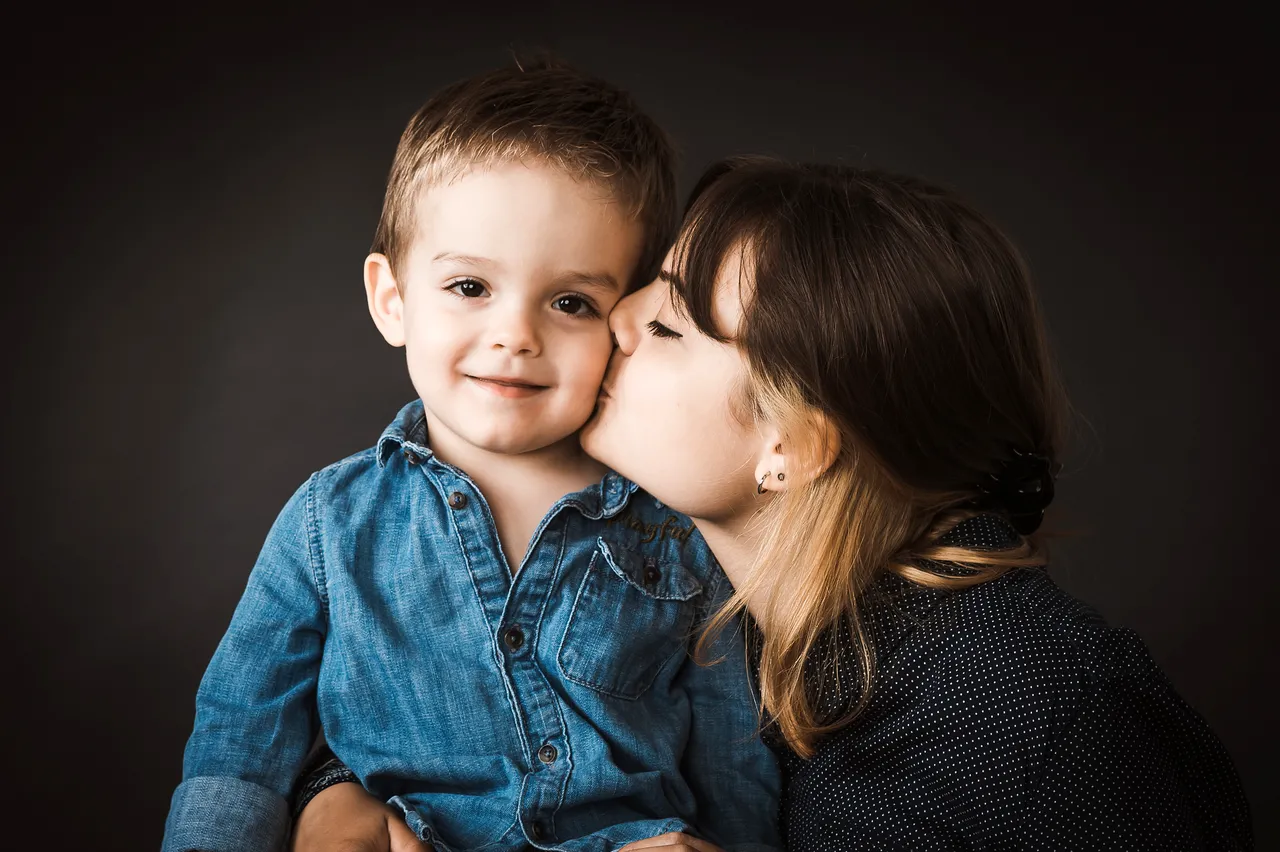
column 592, row 358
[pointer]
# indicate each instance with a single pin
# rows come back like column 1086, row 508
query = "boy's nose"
column 516, row 332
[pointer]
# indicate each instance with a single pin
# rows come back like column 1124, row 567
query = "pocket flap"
column 659, row 579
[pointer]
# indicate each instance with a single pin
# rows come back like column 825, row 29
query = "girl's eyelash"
column 657, row 329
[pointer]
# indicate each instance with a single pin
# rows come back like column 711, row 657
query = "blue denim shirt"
column 557, row 709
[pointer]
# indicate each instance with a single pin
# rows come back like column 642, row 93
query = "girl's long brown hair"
column 884, row 315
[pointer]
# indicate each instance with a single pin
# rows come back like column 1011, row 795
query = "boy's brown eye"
column 574, row 305
column 469, row 288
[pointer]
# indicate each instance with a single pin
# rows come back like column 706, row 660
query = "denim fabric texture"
column 558, row 708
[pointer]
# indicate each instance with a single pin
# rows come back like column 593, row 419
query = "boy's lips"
column 508, row 386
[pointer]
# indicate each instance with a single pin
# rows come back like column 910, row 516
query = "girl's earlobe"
column 798, row 459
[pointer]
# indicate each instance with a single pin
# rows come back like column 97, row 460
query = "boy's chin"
column 515, row 445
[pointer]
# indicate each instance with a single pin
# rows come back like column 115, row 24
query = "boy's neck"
column 520, row 488
column 561, row 468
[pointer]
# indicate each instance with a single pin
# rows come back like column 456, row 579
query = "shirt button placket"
column 543, row 721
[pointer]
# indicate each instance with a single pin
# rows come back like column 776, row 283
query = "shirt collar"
column 605, row 498
column 408, row 433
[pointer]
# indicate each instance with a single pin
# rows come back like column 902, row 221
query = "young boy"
column 491, row 629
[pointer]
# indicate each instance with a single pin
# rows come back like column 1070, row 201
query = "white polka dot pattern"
column 1008, row 716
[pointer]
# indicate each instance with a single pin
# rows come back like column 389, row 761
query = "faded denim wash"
column 558, row 709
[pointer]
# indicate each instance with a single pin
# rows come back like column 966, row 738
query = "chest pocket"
column 633, row 613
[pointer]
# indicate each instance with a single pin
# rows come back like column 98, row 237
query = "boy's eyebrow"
column 603, row 280
column 465, row 259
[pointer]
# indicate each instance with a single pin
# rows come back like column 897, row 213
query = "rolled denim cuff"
column 332, row 771
column 214, row 814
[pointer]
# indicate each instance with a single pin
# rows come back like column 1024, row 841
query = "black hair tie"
column 1022, row 486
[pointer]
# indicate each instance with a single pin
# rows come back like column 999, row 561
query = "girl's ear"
column 798, row 457
column 386, row 305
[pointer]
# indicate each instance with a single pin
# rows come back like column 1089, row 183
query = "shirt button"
column 652, row 574
column 514, row 638
column 410, row 456
column 548, row 754
column 458, row 500
column 538, row 831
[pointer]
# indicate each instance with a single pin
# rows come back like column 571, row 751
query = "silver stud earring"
column 781, row 476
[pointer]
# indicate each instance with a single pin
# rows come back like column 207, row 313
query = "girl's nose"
column 625, row 319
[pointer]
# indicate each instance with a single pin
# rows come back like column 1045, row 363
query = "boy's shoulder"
column 344, row 472
column 360, row 477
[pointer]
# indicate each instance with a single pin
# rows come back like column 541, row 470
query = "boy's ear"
column 385, row 303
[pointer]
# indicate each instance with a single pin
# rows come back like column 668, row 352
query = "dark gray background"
column 186, row 337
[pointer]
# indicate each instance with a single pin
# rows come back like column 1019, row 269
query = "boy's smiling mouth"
column 508, row 387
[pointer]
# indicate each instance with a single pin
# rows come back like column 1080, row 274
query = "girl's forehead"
column 731, row 289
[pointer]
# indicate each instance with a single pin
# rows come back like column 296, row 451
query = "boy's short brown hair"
column 545, row 111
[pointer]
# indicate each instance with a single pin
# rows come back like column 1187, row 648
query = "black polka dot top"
column 1007, row 716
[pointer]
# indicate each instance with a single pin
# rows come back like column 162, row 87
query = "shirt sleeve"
column 255, row 708
column 734, row 777
column 1137, row 768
